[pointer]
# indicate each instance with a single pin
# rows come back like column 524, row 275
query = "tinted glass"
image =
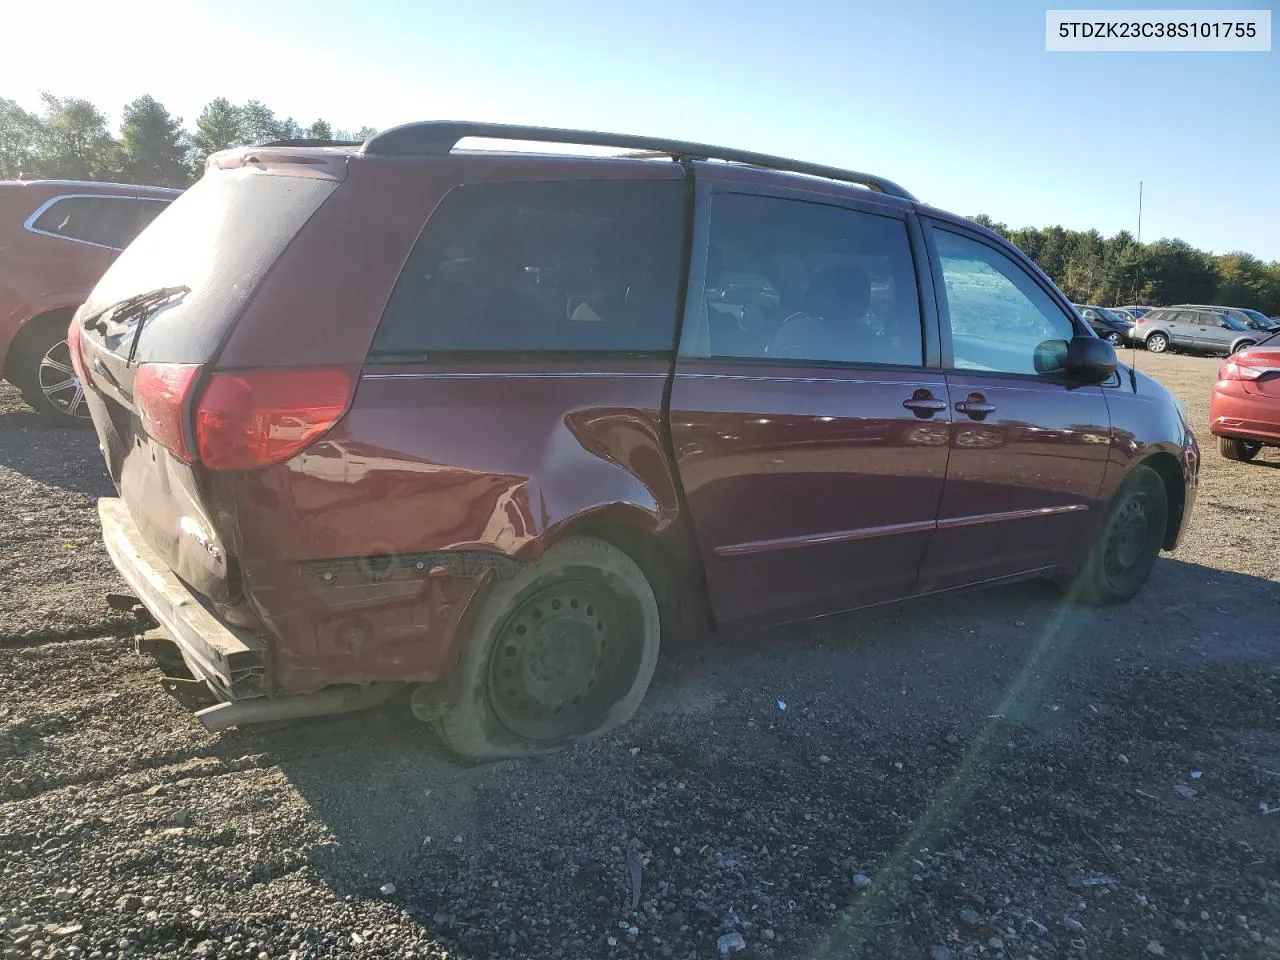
column 998, row 313
column 542, row 267
column 1233, row 323
column 794, row 281
column 220, row 238
column 1261, row 319
column 1182, row 316
column 107, row 221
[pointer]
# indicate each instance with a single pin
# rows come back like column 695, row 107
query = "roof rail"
column 309, row 142
column 439, row 137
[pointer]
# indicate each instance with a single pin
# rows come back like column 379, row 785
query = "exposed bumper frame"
column 230, row 660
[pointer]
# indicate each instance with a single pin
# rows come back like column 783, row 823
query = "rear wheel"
column 1114, row 339
column 1128, row 543
column 41, row 369
column 562, row 651
column 1157, row 343
column 1233, row 448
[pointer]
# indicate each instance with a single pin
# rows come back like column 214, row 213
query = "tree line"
column 1114, row 271
column 70, row 139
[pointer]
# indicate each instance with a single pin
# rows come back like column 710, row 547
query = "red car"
column 1244, row 411
column 494, row 424
column 57, row 238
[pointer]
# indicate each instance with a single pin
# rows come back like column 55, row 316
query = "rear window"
column 219, row 238
column 104, row 221
column 541, row 267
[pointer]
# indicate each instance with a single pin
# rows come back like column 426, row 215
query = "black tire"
column 526, row 683
column 1157, row 343
column 1234, row 448
column 41, row 370
column 1128, row 542
column 1242, row 345
column 1114, row 339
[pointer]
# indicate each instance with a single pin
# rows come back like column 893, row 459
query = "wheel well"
column 1170, row 471
column 38, row 322
column 669, row 560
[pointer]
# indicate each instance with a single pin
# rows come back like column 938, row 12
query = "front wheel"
column 1233, row 448
column 562, row 651
column 1128, row 543
column 1157, row 343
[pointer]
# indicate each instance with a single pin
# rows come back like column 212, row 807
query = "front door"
column 810, row 434
column 1029, row 449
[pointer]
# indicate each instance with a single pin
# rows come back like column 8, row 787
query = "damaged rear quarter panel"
column 481, row 462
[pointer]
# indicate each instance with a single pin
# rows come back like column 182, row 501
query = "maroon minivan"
column 493, row 423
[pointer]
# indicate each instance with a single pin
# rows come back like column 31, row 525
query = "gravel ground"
column 993, row 776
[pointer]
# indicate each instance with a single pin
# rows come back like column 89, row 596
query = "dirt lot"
column 992, row 776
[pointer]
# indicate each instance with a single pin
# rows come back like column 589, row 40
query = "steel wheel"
column 59, row 384
column 556, row 661
column 1126, row 540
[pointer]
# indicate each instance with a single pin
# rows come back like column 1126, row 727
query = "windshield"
column 1233, row 323
column 1262, row 321
column 1110, row 315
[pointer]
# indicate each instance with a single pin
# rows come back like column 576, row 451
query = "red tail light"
column 1140, row 321
column 247, row 419
column 1235, row 369
column 77, row 357
column 160, row 393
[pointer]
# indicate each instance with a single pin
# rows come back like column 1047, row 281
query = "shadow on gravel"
column 66, row 457
column 877, row 784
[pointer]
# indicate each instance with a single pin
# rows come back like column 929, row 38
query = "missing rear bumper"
column 232, row 661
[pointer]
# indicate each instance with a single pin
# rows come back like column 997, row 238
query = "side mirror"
column 1089, row 359
column 1051, row 356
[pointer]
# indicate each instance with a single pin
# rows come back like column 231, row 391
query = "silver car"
column 1194, row 329
column 1254, row 319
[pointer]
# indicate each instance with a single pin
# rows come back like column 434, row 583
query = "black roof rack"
column 437, row 137
column 309, row 142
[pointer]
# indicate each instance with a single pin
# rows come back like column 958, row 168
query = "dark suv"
column 1107, row 324
column 492, row 424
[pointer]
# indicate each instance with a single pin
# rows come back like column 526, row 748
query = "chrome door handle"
column 975, row 406
column 924, row 404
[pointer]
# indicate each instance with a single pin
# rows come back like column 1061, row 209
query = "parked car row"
column 1190, row 327
column 1198, row 329
column 56, row 239
column 495, row 424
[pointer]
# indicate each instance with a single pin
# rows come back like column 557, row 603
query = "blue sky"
column 959, row 103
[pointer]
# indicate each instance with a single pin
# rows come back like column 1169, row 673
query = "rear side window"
column 105, row 221
column 796, row 281
column 558, row 266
